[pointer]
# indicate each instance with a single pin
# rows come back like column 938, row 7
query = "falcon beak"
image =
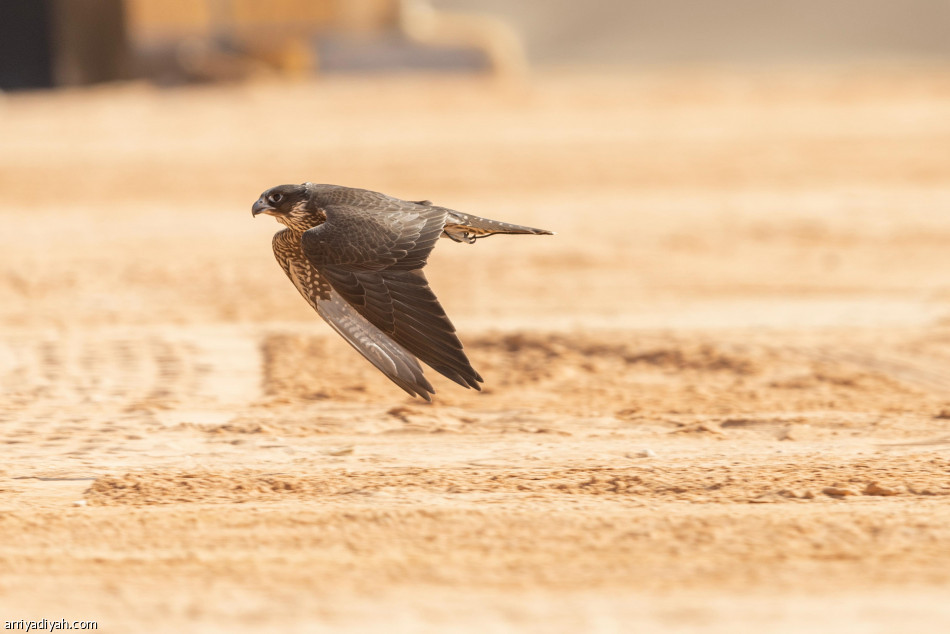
column 260, row 207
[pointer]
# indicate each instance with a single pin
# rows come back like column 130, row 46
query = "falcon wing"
column 373, row 257
column 389, row 357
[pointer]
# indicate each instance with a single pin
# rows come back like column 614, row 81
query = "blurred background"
column 70, row 42
column 745, row 138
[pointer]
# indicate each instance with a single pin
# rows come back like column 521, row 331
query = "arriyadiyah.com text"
column 47, row 625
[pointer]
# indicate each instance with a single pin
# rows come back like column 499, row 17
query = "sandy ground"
column 718, row 400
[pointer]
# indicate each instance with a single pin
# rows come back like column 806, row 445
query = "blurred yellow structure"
column 278, row 33
column 163, row 18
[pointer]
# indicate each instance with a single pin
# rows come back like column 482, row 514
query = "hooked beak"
column 260, row 207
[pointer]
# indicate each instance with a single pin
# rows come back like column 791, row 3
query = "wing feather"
column 389, row 357
column 373, row 258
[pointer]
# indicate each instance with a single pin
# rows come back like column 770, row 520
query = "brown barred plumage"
column 356, row 256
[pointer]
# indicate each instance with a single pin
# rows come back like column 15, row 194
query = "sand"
column 718, row 400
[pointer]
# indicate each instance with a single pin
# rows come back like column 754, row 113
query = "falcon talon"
column 357, row 256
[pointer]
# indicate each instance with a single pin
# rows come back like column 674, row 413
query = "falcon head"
column 290, row 205
column 280, row 200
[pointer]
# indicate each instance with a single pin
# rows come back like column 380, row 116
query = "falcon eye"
column 276, row 198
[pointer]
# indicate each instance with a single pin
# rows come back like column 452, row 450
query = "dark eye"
column 276, row 198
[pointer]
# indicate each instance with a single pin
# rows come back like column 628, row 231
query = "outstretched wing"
column 373, row 258
column 389, row 357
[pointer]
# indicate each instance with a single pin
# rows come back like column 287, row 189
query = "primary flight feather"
column 357, row 256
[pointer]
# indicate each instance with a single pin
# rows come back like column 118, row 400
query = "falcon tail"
column 465, row 228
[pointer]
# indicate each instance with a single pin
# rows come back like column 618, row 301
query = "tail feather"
column 466, row 228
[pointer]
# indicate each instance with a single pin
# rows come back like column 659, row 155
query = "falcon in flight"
column 356, row 256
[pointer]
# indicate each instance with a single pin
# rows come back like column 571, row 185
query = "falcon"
column 357, row 256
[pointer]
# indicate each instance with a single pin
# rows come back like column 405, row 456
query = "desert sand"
column 718, row 400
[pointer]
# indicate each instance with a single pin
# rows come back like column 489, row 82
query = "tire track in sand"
column 86, row 377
